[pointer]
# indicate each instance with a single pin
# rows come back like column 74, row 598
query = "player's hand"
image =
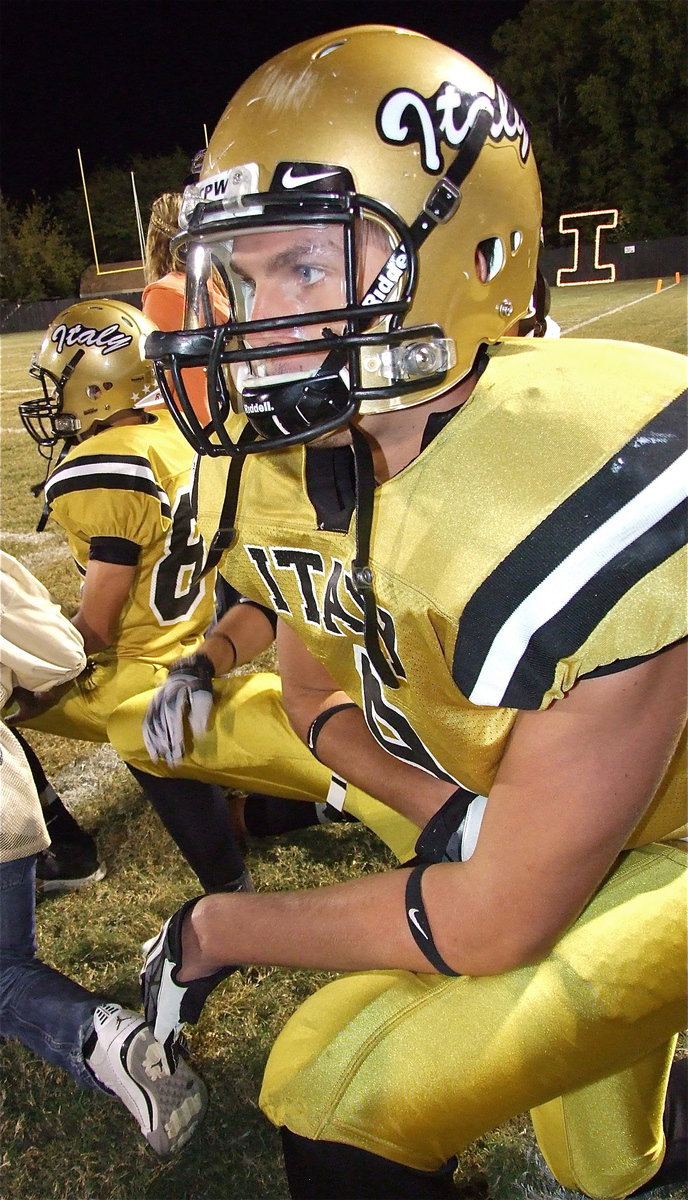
column 23, row 705
column 186, row 694
column 451, row 835
column 167, row 1003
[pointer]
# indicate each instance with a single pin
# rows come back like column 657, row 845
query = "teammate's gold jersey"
column 129, row 486
column 537, row 539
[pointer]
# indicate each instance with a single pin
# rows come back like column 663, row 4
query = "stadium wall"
column 656, row 259
column 16, row 317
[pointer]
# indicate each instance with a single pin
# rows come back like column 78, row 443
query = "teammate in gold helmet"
column 91, row 366
column 475, row 557
column 120, row 492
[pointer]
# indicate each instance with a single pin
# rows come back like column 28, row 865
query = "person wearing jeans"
column 103, row 1046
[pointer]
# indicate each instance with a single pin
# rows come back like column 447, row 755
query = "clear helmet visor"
column 291, row 323
column 287, row 290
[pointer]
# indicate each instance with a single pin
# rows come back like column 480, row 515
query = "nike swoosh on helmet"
column 289, row 180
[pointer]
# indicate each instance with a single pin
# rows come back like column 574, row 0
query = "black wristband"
column 321, row 719
column 200, row 664
column 226, row 638
column 419, row 924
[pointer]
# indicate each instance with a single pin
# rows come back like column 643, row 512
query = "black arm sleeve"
column 114, row 550
column 267, row 612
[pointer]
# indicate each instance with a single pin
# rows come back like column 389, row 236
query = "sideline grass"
column 642, row 314
column 59, row 1143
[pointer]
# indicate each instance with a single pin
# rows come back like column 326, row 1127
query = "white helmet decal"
column 106, row 340
column 404, row 116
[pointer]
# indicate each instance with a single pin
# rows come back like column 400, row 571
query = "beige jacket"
column 39, row 648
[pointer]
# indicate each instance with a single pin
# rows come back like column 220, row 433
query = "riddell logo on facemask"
column 258, row 406
column 389, row 276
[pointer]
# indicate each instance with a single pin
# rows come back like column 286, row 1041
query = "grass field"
column 632, row 311
column 58, row 1142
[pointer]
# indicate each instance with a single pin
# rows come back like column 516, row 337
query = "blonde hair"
column 162, row 227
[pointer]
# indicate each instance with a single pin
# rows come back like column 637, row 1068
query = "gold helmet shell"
column 92, row 366
column 419, row 140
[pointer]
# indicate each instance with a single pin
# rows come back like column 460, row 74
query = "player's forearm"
column 346, row 745
column 238, row 637
column 358, row 925
column 334, row 928
column 104, row 595
column 95, row 631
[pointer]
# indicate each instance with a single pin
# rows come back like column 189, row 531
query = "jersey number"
column 178, row 585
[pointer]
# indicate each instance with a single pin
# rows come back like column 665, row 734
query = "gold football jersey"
column 537, row 539
column 131, row 485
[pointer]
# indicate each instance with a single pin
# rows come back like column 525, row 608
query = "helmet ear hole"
column 515, row 240
column 492, row 250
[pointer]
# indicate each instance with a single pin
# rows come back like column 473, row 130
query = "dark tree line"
column 601, row 84
column 47, row 242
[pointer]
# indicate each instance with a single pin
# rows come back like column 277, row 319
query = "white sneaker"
column 129, row 1061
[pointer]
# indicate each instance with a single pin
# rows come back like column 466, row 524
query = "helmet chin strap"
column 38, row 487
column 443, row 201
column 361, row 570
column 445, row 197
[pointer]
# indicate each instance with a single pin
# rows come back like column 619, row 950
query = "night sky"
column 121, row 77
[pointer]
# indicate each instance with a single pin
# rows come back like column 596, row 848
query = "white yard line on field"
column 26, row 537
column 619, row 308
column 36, row 552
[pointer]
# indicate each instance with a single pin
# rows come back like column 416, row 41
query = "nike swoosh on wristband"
column 289, row 180
column 412, row 917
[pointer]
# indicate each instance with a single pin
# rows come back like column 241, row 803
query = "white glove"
column 451, row 835
column 186, row 693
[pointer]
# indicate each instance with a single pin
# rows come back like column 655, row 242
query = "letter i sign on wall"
column 585, row 269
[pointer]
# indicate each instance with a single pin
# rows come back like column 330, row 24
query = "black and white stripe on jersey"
column 122, row 472
column 547, row 596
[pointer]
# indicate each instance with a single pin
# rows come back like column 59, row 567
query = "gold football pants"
column 250, row 746
column 416, row 1067
column 84, row 710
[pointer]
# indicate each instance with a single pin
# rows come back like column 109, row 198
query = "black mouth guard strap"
column 360, row 568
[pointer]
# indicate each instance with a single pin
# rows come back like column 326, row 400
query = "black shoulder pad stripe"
column 587, row 554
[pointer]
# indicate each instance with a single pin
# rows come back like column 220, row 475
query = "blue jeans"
column 41, row 1008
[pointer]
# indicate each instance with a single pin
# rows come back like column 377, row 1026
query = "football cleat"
column 168, row 1005
column 68, row 865
column 126, row 1058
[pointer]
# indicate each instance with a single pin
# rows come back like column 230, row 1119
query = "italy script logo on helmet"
column 405, row 116
column 106, row 340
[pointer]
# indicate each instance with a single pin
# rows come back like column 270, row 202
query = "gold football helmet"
column 92, row 366
column 371, row 202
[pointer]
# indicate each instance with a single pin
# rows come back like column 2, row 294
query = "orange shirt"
column 163, row 302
